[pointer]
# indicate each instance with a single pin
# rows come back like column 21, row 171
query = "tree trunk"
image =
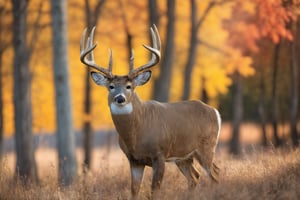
column 261, row 108
column 127, row 32
column 294, row 90
column 1, row 106
column 193, row 45
column 163, row 82
column 153, row 14
column 237, row 112
column 87, row 126
column 192, row 52
column 92, row 17
column 65, row 134
column 275, row 97
column 2, row 8
column 26, row 169
column 204, row 95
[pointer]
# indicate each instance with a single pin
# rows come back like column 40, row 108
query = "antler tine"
column 87, row 56
column 82, row 46
column 155, row 50
column 157, row 38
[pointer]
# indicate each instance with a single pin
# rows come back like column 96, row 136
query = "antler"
column 155, row 50
column 87, row 55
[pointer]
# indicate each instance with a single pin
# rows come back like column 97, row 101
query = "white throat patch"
column 121, row 110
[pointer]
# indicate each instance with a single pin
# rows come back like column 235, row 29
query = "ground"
column 257, row 174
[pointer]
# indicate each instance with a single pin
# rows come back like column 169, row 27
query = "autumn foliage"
column 257, row 19
column 228, row 37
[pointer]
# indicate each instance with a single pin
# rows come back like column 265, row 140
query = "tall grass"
column 272, row 174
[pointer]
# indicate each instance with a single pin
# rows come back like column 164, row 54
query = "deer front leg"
column 137, row 172
column 158, row 165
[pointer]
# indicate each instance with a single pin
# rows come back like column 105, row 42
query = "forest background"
column 241, row 56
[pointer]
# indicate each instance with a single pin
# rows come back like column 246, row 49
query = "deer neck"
column 127, row 124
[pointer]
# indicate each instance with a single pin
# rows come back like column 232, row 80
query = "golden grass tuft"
column 272, row 174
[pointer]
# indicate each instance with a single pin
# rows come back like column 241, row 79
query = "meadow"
column 256, row 174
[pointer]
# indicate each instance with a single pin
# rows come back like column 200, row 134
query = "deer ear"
column 142, row 78
column 99, row 79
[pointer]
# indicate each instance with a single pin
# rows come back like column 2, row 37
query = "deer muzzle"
column 120, row 106
column 120, row 99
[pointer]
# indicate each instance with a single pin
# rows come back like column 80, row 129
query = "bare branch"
column 3, row 12
column 211, row 4
column 97, row 10
column 210, row 46
column 205, row 14
column 36, row 28
column 128, row 35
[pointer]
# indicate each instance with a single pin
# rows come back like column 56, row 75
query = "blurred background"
column 240, row 56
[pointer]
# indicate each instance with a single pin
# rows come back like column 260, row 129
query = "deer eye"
column 128, row 87
column 111, row 87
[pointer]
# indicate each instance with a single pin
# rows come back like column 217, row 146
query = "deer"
column 152, row 133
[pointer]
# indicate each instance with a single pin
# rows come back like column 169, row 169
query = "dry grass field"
column 259, row 174
column 271, row 174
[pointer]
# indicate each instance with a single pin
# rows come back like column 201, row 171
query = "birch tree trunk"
column 64, row 122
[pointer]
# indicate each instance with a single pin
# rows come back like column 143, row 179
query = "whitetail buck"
column 152, row 133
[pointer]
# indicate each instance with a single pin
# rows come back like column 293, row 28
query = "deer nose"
column 120, row 99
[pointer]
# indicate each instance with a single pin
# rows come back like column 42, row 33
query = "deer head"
column 120, row 88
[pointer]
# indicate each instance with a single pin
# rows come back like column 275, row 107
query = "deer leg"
column 206, row 160
column 189, row 171
column 158, row 166
column 137, row 172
